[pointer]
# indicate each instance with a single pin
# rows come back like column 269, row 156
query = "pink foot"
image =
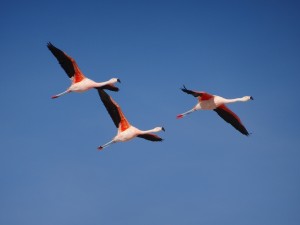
column 100, row 148
column 179, row 116
column 54, row 97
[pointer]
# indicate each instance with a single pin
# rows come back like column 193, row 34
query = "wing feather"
column 150, row 137
column 200, row 95
column 111, row 106
column 190, row 92
column 114, row 110
column 231, row 118
column 64, row 60
column 110, row 87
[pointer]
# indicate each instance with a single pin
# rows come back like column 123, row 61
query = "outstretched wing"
column 110, row 87
column 199, row 95
column 67, row 63
column 113, row 110
column 190, row 92
column 150, row 137
column 232, row 118
column 111, row 106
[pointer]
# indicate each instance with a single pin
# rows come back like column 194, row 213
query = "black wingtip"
column 249, row 134
column 183, row 88
column 49, row 44
column 244, row 132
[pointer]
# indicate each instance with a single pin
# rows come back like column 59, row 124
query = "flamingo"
column 126, row 131
column 79, row 83
column 207, row 101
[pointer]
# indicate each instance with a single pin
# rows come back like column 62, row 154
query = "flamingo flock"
column 126, row 131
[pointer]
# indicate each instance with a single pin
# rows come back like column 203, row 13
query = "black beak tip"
column 163, row 129
column 119, row 80
column 251, row 98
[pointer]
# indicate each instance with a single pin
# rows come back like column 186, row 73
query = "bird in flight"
column 126, row 131
column 79, row 83
column 208, row 101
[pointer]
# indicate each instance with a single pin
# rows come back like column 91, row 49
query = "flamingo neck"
column 156, row 129
column 233, row 100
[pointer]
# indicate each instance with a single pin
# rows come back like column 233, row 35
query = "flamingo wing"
column 110, row 87
column 68, row 64
column 114, row 110
column 150, row 137
column 190, row 92
column 199, row 95
column 232, row 118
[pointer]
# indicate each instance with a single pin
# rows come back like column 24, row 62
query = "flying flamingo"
column 213, row 102
column 79, row 83
column 126, row 131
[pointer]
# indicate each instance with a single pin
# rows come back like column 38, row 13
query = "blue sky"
column 204, row 172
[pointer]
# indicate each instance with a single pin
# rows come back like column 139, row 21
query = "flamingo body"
column 217, row 103
column 79, row 83
column 126, row 131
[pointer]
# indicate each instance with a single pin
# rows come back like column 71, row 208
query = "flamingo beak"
column 119, row 80
column 163, row 129
column 251, row 98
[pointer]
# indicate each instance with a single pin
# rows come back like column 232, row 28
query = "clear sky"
column 204, row 172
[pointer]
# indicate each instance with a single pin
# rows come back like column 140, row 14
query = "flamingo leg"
column 106, row 145
column 185, row 113
column 58, row 95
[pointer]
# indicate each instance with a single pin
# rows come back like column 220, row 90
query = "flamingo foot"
column 100, row 148
column 55, row 96
column 179, row 116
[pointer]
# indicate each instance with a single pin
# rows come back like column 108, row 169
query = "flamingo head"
column 247, row 98
column 115, row 80
column 157, row 129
